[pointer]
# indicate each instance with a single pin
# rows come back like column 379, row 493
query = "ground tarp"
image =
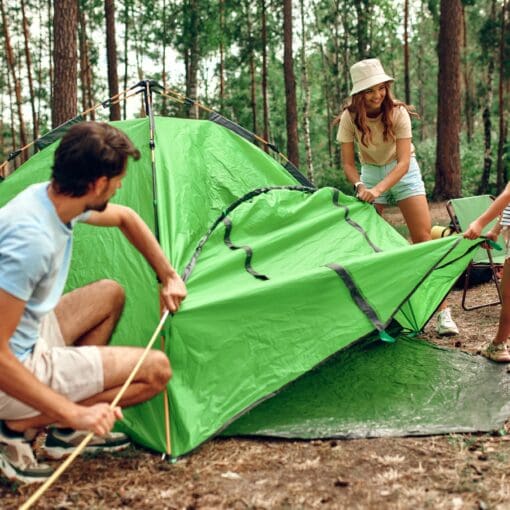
column 280, row 278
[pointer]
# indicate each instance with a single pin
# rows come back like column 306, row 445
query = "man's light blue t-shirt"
column 35, row 253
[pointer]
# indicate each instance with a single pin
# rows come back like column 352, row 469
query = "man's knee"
column 159, row 369
column 113, row 294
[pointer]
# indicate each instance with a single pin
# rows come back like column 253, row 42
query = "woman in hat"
column 381, row 127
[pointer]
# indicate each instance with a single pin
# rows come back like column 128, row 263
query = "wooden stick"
column 44, row 487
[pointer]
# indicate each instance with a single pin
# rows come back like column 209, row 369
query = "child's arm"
column 496, row 208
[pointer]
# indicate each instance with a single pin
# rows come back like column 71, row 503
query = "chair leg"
column 466, row 288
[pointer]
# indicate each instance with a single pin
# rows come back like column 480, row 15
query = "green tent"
column 296, row 298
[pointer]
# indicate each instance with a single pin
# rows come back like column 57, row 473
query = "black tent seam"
column 357, row 226
column 357, row 296
column 248, row 196
column 246, row 248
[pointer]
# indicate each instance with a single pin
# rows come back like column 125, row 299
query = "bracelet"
column 357, row 184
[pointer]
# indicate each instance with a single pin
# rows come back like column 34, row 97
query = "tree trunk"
column 290, row 85
column 468, row 101
column 65, row 97
column 448, row 182
column 26, row 36
column 51, row 49
column 193, row 58
column 164, row 107
column 363, row 13
column 111, row 57
column 265, row 99
column 17, row 85
column 501, row 174
column 251, row 59
column 126, row 53
column 306, row 96
column 406, row 52
column 85, row 68
column 222, row 55
column 483, row 187
column 487, row 130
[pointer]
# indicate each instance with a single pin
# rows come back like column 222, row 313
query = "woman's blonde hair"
column 355, row 104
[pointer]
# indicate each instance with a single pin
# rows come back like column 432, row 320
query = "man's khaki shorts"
column 75, row 372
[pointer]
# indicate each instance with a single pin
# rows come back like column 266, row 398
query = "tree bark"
column 406, row 52
column 448, row 182
column 193, row 57
column 222, row 55
column 251, row 60
column 501, row 174
column 468, row 101
column 26, row 37
column 290, row 85
column 85, row 67
column 65, row 23
column 111, row 56
column 306, row 97
column 483, row 187
column 17, row 84
column 265, row 99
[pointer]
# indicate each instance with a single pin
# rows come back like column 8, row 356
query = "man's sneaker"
column 445, row 325
column 17, row 460
column 497, row 352
column 61, row 443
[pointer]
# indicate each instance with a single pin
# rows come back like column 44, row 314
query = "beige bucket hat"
column 367, row 73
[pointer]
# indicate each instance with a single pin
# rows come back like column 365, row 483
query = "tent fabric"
column 334, row 273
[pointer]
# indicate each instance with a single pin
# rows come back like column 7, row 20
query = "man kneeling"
column 55, row 365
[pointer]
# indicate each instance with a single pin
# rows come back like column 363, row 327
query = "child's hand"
column 474, row 230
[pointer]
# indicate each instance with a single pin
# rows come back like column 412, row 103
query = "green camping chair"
column 462, row 212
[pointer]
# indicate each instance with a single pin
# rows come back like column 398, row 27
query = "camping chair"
column 462, row 212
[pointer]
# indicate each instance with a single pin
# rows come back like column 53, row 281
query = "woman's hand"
column 474, row 230
column 367, row 194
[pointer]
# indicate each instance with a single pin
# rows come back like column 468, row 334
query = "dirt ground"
column 460, row 471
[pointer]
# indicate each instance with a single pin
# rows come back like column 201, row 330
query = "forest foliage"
column 246, row 59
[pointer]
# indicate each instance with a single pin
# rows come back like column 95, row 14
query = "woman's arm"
column 348, row 163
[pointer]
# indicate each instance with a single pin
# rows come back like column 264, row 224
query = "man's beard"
column 96, row 207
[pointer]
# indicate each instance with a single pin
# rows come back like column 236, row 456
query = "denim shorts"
column 411, row 184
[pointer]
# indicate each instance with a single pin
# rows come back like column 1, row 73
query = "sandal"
column 497, row 352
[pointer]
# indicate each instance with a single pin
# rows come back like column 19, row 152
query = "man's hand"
column 173, row 292
column 98, row 418
column 474, row 230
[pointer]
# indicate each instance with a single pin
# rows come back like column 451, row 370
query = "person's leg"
column 117, row 365
column 88, row 315
column 504, row 318
column 416, row 212
column 417, row 217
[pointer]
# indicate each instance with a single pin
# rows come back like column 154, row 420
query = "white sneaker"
column 445, row 324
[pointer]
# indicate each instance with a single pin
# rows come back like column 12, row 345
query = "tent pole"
column 147, row 92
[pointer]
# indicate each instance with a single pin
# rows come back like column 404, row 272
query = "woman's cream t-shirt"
column 378, row 151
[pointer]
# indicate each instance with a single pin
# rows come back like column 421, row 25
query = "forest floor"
column 457, row 471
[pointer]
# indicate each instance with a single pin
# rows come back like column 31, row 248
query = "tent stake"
column 44, row 487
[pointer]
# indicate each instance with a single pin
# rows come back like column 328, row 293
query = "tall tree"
column 111, row 56
column 28, row 58
column 265, row 97
column 448, row 182
column 65, row 94
column 17, row 84
column 406, row 52
column 502, row 108
column 306, row 94
column 290, row 85
column 488, row 43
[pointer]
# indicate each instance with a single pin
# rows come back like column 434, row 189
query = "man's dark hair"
column 90, row 150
